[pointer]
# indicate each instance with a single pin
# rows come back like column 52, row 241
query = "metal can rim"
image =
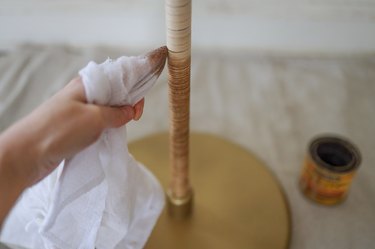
column 318, row 141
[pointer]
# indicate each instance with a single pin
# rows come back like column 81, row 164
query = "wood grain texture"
column 178, row 19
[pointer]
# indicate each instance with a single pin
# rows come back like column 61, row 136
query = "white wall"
column 320, row 26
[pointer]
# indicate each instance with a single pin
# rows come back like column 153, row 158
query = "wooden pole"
column 178, row 20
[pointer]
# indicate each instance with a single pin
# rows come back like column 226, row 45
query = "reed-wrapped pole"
column 178, row 20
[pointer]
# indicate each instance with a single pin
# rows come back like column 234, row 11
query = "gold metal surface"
column 179, row 208
column 237, row 201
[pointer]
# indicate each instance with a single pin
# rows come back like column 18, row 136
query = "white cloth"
column 101, row 198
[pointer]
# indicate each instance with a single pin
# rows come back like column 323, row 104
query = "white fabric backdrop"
column 319, row 26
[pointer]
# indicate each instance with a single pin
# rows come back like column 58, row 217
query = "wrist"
column 15, row 160
column 9, row 166
column 11, row 186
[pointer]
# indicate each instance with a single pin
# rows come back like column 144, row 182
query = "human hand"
column 58, row 129
column 65, row 124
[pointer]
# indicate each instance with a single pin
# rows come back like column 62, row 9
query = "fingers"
column 138, row 108
column 74, row 90
column 114, row 117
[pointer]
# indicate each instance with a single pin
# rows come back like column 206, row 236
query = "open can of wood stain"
column 329, row 168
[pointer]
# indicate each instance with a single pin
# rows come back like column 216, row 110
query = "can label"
column 322, row 185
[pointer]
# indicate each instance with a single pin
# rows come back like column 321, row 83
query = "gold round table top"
column 238, row 203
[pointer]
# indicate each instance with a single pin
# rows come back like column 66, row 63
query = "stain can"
column 329, row 168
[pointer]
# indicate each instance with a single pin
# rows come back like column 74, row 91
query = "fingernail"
column 137, row 116
column 129, row 112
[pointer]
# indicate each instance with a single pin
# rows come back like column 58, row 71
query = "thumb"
column 114, row 117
